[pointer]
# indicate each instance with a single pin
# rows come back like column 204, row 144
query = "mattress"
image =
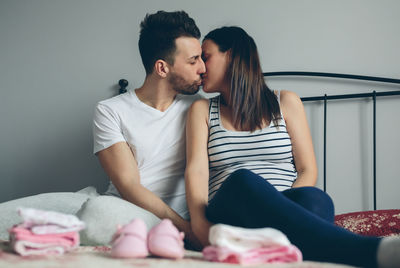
column 99, row 257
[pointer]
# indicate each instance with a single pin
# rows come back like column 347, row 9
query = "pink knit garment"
column 26, row 243
column 276, row 254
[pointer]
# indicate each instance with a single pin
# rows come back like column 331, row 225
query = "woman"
column 250, row 161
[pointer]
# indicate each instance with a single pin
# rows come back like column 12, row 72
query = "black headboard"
column 325, row 98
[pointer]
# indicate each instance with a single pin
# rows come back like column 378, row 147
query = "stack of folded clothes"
column 231, row 244
column 45, row 232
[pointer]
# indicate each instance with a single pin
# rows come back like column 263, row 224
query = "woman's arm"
column 299, row 132
column 196, row 173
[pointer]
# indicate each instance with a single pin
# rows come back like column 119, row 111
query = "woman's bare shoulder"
column 200, row 105
column 289, row 96
column 199, row 109
column 290, row 103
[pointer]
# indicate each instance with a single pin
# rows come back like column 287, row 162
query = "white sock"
column 389, row 252
column 242, row 239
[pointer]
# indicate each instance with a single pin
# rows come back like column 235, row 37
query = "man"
column 139, row 136
column 139, row 139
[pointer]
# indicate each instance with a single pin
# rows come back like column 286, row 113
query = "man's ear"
column 161, row 68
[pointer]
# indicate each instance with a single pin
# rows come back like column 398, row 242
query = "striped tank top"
column 266, row 152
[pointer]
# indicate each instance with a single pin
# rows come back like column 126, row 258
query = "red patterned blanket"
column 374, row 223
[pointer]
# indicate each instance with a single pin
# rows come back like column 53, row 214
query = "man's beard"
column 181, row 86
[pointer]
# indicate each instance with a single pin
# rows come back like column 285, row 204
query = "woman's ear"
column 161, row 68
column 228, row 56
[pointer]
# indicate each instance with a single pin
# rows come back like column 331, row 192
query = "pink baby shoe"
column 130, row 240
column 164, row 240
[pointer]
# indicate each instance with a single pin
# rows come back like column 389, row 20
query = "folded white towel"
column 243, row 239
column 49, row 222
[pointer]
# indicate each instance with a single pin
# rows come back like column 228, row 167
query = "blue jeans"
column 305, row 215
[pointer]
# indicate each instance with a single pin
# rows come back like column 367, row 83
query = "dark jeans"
column 305, row 215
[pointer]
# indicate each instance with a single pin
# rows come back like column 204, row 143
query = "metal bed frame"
column 325, row 98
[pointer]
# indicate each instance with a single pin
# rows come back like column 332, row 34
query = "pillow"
column 102, row 215
column 372, row 223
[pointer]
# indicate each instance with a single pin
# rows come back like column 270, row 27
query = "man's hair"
column 252, row 101
column 158, row 33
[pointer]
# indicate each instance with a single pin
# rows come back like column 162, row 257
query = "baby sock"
column 389, row 252
column 243, row 239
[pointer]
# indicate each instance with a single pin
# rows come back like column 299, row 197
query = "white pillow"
column 102, row 215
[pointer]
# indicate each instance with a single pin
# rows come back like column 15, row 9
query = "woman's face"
column 214, row 79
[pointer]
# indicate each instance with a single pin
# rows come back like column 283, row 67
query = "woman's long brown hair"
column 252, row 102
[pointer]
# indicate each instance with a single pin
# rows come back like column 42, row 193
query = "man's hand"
column 201, row 230
column 191, row 241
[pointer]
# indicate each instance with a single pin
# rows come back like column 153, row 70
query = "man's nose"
column 202, row 68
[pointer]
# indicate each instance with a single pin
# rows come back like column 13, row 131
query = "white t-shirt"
column 157, row 141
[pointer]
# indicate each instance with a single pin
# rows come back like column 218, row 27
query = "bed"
column 99, row 257
column 372, row 222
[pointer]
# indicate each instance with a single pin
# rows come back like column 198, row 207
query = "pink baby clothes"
column 27, row 248
column 276, row 254
column 26, row 243
column 49, row 222
column 249, row 246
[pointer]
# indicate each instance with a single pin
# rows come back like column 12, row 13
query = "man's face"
column 185, row 74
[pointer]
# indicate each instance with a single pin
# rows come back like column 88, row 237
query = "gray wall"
column 58, row 58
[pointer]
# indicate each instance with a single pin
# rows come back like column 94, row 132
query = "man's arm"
column 121, row 167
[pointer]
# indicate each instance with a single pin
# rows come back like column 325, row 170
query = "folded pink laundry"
column 275, row 254
column 25, row 243
column 234, row 244
column 27, row 248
